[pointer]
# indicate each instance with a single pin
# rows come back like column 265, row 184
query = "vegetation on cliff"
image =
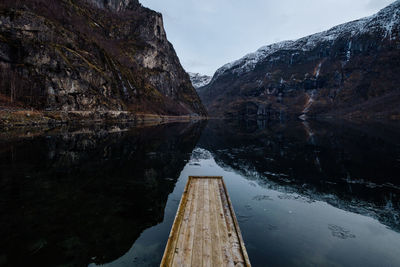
column 77, row 55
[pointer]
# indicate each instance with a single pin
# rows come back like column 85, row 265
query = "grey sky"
column 207, row 34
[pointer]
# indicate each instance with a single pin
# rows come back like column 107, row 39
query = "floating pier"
column 205, row 231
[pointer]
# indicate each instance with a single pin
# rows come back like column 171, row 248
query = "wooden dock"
column 205, row 231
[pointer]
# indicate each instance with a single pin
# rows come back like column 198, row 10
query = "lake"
column 304, row 193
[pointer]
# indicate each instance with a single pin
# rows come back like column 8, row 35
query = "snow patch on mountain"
column 386, row 22
column 199, row 80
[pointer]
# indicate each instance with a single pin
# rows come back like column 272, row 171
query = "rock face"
column 349, row 70
column 199, row 80
column 117, row 5
column 91, row 55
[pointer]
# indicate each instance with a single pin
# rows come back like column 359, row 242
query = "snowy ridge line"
column 199, row 80
column 386, row 22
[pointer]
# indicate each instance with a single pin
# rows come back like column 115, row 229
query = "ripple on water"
column 340, row 232
column 262, row 197
column 296, row 198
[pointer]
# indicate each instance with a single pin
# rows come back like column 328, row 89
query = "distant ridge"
column 199, row 80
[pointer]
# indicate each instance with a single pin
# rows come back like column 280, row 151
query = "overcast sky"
column 207, row 34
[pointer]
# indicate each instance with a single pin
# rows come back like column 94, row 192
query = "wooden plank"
column 237, row 228
column 217, row 250
column 233, row 239
column 179, row 250
column 197, row 257
column 173, row 236
column 225, row 247
column 205, row 230
column 206, row 226
column 189, row 237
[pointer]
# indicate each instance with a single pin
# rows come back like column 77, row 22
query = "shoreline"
column 14, row 118
column 23, row 118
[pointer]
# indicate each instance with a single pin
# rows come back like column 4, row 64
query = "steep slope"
column 90, row 55
column 349, row 70
column 199, row 80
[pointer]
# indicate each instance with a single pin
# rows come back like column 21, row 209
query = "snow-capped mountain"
column 385, row 23
column 349, row 70
column 199, row 80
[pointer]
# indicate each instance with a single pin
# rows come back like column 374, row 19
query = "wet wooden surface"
column 205, row 231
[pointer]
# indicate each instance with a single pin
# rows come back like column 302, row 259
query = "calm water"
column 305, row 194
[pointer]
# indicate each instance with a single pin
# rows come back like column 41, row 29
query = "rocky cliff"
column 90, row 55
column 350, row 70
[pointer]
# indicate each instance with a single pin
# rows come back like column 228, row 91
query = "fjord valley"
column 348, row 71
column 94, row 59
column 105, row 124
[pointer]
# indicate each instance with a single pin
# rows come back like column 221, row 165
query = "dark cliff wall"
column 349, row 70
column 84, row 55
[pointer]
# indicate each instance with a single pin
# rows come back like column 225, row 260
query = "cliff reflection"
column 349, row 166
column 74, row 196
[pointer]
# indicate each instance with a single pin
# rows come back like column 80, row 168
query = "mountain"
column 90, row 56
column 350, row 70
column 199, row 80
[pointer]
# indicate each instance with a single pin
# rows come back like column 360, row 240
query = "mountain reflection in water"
column 348, row 166
column 305, row 193
column 74, row 196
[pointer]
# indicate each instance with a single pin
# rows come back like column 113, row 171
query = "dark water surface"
column 305, row 194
